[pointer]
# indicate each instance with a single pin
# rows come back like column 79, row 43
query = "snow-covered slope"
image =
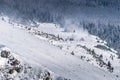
column 72, row 55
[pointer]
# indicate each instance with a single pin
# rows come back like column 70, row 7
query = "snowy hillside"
column 48, row 52
column 89, row 14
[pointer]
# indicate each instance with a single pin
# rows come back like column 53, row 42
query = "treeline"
column 50, row 10
column 40, row 10
column 108, row 32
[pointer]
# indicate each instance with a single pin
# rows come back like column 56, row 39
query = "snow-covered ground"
column 73, row 55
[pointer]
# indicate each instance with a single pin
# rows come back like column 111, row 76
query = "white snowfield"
column 55, row 55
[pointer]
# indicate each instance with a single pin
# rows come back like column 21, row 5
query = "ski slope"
column 38, row 51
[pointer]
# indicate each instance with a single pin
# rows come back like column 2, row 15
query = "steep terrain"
column 97, row 16
column 49, row 51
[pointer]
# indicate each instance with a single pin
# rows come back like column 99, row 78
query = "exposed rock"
column 16, row 62
column 5, row 54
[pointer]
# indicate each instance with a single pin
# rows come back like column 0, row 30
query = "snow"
column 40, row 51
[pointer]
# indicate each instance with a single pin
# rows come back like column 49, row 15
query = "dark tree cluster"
column 50, row 10
column 108, row 32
